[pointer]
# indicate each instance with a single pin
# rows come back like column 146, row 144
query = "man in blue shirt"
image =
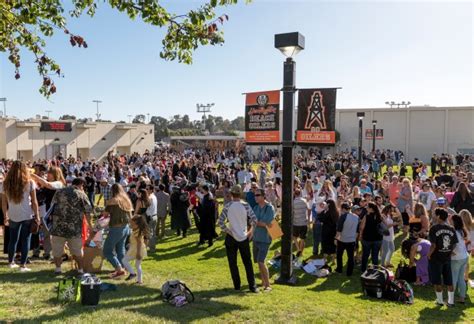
column 261, row 240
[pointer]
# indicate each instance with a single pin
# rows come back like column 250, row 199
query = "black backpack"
column 375, row 281
column 400, row 291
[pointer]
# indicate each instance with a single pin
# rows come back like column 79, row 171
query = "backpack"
column 375, row 281
column 176, row 293
column 400, row 291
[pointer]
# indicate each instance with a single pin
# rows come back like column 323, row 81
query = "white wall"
column 417, row 131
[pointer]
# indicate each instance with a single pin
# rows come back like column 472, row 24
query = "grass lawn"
column 30, row 297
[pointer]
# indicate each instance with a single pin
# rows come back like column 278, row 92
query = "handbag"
column 274, row 230
column 405, row 272
column 35, row 225
column 69, row 290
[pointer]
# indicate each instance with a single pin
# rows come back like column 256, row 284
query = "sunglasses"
column 258, row 195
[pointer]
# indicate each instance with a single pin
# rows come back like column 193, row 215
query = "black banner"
column 55, row 127
column 316, row 116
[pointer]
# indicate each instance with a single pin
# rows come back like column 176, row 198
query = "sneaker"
column 139, row 283
column 254, row 290
column 449, row 305
column 25, row 269
column 439, row 304
column 130, row 277
column 267, row 289
column 13, row 265
column 57, row 271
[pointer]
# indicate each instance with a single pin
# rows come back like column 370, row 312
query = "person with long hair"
column 388, row 241
column 460, row 257
column 405, row 198
column 463, row 199
column 143, row 202
column 371, row 236
column 469, row 224
column 54, row 181
column 137, row 250
column 418, row 220
column 20, row 209
column 329, row 219
column 119, row 208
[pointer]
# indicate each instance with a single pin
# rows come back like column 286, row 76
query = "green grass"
column 31, row 297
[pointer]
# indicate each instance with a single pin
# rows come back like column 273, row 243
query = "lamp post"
column 4, row 106
column 289, row 44
column 361, row 116
column 48, row 112
column 374, row 125
column 97, row 102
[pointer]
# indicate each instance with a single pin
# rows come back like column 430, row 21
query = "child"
column 422, row 249
column 137, row 250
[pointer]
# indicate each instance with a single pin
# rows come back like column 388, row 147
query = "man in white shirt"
column 152, row 217
column 239, row 215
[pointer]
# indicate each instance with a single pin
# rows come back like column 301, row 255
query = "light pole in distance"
column 374, row 126
column 97, row 104
column 360, row 116
column 4, row 106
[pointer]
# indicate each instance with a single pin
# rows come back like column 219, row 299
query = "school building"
column 35, row 139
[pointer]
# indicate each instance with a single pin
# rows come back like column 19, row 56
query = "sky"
column 377, row 51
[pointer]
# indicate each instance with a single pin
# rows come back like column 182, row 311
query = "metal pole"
column 286, row 273
column 373, row 138
column 360, row 142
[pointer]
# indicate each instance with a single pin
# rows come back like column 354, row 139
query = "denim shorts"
column 260, row 251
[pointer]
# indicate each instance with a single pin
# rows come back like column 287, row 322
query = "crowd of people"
column 346, row 207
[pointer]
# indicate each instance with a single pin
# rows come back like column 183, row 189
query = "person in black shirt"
column 90, row 188
column 434, row 164
column 371, row 236
column 443, row 240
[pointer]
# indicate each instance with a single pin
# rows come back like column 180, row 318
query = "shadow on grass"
column 436, row 313
column 146, row 301
column 177, row 251
column 42, row 276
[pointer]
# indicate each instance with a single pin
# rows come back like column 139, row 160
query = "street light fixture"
column 289, row 44
column 360, row 116
column 97, row 104
column 4, row 106
column 398, row 104
column 374, row 125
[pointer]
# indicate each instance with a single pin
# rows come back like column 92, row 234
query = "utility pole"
column 48, row 112
column 129, row 118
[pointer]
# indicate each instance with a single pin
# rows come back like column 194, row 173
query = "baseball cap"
column 355, row 208
column 236, row 190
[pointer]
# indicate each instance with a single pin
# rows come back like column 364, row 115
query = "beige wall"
column 92, row 141
column 417, row 131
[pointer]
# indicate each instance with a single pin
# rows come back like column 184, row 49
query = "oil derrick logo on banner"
column 315, row 113
column 316, row 116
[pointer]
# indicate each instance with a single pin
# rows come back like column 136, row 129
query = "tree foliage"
column 178, row 125
column 67, row 117
column 139, row 119
column 27, row 23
